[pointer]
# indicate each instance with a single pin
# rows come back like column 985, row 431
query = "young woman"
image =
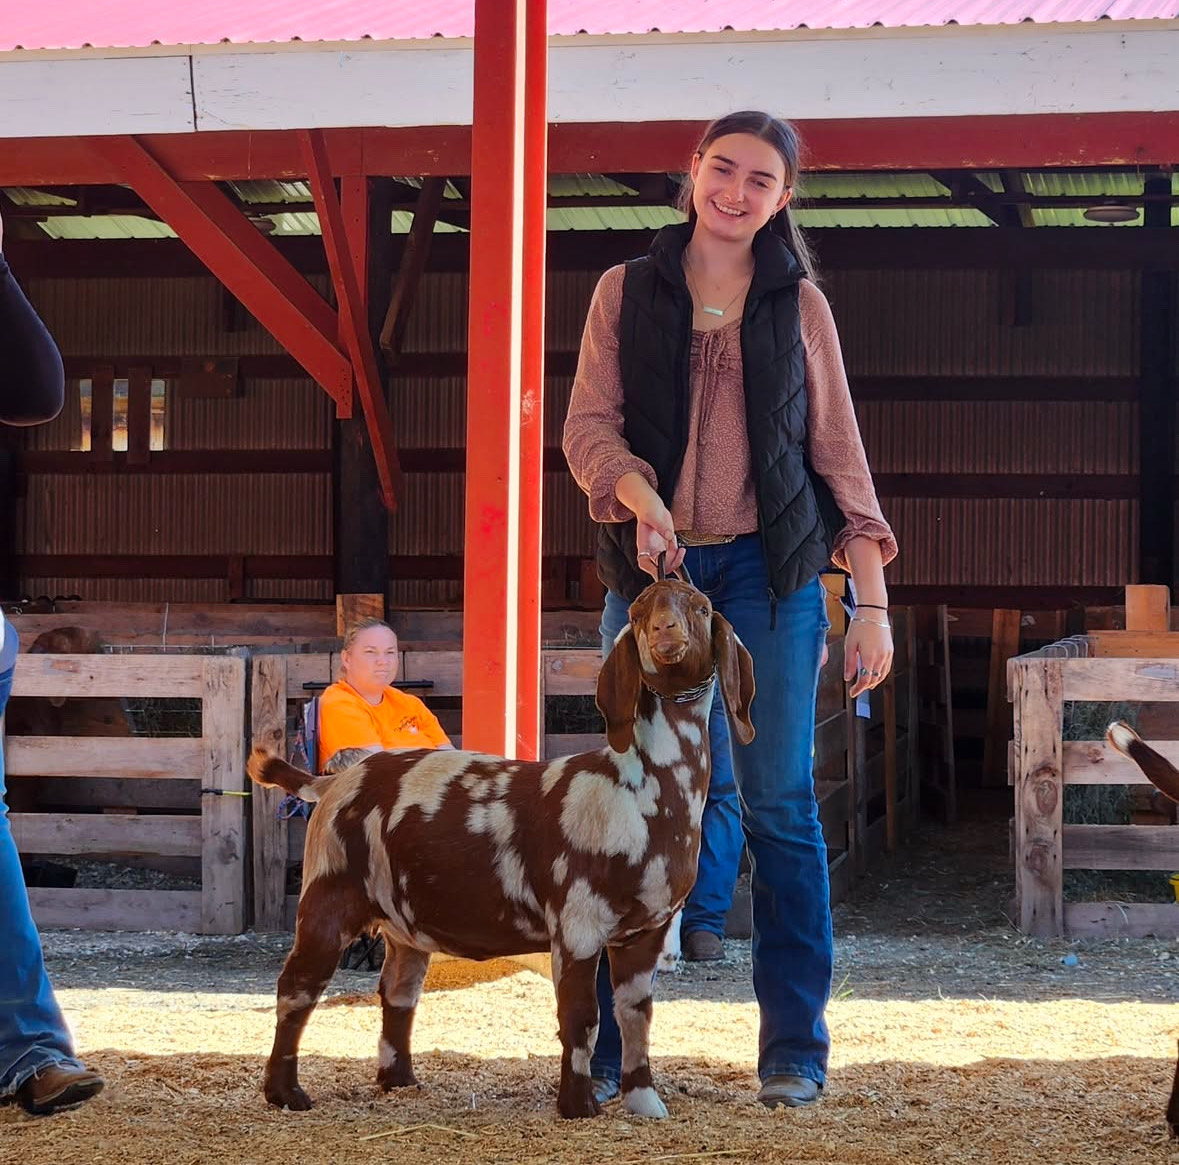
column 38, row 1067
column 711, row 422
column 362, row 711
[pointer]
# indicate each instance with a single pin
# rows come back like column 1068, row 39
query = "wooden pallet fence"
column 1115, row 666
column 212, row 825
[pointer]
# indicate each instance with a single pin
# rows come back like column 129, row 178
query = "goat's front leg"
column 401, row 988
column 577, row 1018
column 632, row 972
column 307, row 971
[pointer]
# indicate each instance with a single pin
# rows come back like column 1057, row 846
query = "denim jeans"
column 33, row 1033
column 774, row 776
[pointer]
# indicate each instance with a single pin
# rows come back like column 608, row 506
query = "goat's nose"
column 665, row 620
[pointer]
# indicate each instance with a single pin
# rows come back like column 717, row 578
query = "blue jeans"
column 774, row 775
column 33, row 1033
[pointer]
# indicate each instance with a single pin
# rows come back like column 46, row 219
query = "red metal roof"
column 70, row 24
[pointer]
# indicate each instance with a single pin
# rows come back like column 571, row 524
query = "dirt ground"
column 955, row 1039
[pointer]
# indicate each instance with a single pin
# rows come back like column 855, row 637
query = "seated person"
column 361, row 712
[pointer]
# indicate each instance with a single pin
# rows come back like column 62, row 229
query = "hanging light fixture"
column 1111, row 211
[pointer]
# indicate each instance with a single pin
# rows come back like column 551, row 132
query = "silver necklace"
column 720, row 312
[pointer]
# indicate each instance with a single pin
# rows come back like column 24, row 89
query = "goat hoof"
column 292, row 1098
column 644, row 1102
column 396, row 1078
column 576, row 1102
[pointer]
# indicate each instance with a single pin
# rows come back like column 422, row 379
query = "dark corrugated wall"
column 894, row 324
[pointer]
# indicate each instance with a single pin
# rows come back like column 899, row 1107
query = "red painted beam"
column 1029, row 141
column 353, row 316
column 529, row 695
column 491, row 574
column 236, row 253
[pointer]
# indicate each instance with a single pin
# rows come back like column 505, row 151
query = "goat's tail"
column 267, row 769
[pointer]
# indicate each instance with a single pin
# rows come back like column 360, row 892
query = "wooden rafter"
column 234, row 251
column 968, row 190
column 409, row 271
column 353, row 320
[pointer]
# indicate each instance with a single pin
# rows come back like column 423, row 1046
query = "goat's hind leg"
column 1173, row 1105
column 401, row 988
column 577, row 1018
column 632, row 972
column 319, row 942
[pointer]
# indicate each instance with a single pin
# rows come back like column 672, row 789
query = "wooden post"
column 1148, row 608
column 350, row 609
column 1039, row 796
column 268, row 707
column 223, row 839
column 913, row 722
column 1005, row 628
column 360, row 520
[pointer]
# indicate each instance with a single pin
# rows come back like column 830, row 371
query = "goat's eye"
column 703, row 610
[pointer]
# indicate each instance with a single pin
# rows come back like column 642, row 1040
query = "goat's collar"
column 701, row 689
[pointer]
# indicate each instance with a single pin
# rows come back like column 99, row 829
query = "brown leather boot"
column 56, row 1087
column 702, row 946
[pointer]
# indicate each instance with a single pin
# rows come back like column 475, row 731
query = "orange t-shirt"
column 348, row 720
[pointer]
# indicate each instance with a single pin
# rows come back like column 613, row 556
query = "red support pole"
column 529, row 682
column 491, row 567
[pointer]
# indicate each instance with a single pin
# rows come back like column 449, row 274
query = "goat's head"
column 673, row 644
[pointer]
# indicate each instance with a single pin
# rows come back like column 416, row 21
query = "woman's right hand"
column 656, row 530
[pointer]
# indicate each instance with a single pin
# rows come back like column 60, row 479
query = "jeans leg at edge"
column 33, row 1033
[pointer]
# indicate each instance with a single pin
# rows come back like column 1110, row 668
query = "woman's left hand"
column 867, row 657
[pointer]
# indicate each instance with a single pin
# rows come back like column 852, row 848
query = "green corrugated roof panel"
column 106, row 226
column 22, row 196
column 915, row 185
column 611, row 218
column 810, row 216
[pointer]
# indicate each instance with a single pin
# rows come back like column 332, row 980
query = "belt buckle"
column 691, row 538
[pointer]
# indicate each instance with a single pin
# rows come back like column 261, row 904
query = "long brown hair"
column 784, row 138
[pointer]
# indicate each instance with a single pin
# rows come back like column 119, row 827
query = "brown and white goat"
column 1165, row 777
column 480, row 857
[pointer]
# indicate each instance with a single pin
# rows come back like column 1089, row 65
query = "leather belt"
column 691, row 538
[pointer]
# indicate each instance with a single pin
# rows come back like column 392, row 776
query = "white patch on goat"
column 553, row 774
column 658, row 741
column 477, row 819
column 323, row 849
column 695, row 809
column 692, row 734
column 669, row 956
column 629, row 767
column 378, row 879
column 292, row 1003
column 586, row 920
column 560, row 869
column 579, row 1061
column 477, row 785
column 496, row 818
column 386, row 1054
column 528, row 929
column 557, row 965
column 424, row 784
column 683, row 777
column 502, row 783
column 655, row 889
column 600, row 817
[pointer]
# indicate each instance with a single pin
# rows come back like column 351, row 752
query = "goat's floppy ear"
column 618, row 691
column 734, row 669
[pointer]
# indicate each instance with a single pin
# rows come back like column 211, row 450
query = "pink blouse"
column 714, row 494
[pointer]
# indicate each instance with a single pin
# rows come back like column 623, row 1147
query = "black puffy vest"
column 655, row 329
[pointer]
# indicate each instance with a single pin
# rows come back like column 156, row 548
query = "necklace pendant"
column 712, row 311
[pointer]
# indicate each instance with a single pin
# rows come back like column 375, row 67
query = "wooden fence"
column 212, row 827
column 1102, row 666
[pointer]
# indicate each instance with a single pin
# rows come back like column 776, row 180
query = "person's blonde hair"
column 364, row 625
column 783, row 136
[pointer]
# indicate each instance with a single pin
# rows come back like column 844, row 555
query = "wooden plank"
column 1148, row 608
column 1121, row 847
column 1095, row 762
column 571, row 673
column 176, row 910
column 223, row 817
column 444, row 668
column 1135, row 644
column 1038, row 799
column 103, row 833
column 102, row 409
column 138, row 415
column 268, row 706
column 296, row 836
column 1005, row 631
column 839, row 875
column 128, row 757
column 834, row 806
column 1121, row 919
column 1121, row 679
column 351, row 609
column 107, row 675
column 320, row 668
